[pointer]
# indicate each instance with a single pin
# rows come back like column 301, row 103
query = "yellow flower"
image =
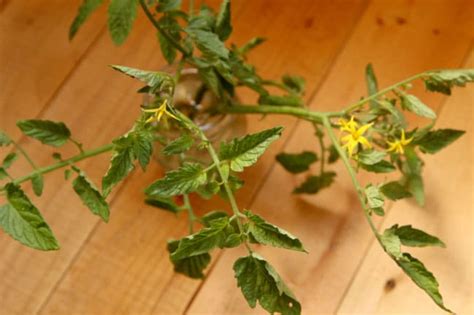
column 158, row 113
column 398, row 144
column 349, row 126
column 355, row 135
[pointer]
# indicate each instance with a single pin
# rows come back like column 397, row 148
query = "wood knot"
column 390, row 285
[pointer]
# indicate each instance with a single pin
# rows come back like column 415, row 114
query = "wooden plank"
column 96, row 111
column 124, row 267
column 380, row 286
column 35, row 55
column 332, row 225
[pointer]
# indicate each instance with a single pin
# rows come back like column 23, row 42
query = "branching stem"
column 64, row 163
column 352, row 174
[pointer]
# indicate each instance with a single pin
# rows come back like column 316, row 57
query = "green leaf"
column 251, row 44
column 442, row 81
column 223, row 25
column 269, row 234
column 208, row 43
column 435, row 140
column 23, row 222
column 3, row 173
column 391, row 243
column 204, row 241
column 163, row 203
column 121, row 165
column 211, row 216
column 280, row 100
column 122, row 14
column 91, row 197
column 380, row 167
column 410, row 236
column 394, row 191
column 141, row 143
column 184, row 180
column 259, row 282
column 374, row 197
column 193, row 266
column 210, row 78
column 415, row 105
column 153, row 79
column 179, row 145
column 422, row 278
column 168, row 5
column 9, row 159
column 313, row 184
column 85, row 10
column 4, row 139
column 297, row 163
column 294, row 83
column 370, row 157
column 372, row 86
column 38, row 183
column 244, row 152
column 48, row 132
column 167, row 48
column 333, row 154
column 415, row 186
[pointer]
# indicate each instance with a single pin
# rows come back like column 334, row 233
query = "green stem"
column 309, row 115
column 191, row 215
column 160, row 29
column 217, row 164
column 23, row 152
column 191, row 8
column 320, row 136
column 77, row 144
column 64, row 163
column 352, row 173
column 363, row 101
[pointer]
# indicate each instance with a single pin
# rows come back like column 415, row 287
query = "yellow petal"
column 365, row 142
column 363, row 129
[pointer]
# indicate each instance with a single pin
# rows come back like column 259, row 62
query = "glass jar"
column 195, row 100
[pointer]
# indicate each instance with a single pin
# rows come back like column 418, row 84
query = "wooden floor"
column 122, row 267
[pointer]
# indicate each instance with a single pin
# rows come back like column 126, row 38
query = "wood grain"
column 332, row 225
column 146, row 269
column 35, row 56
column 122, row 267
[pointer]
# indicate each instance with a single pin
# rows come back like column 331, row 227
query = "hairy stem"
column 310, row 115
column 64, row 163
column 191, row 215
column 23, row 152
column 160, row 29
column 352, row 173
column 320, row 136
